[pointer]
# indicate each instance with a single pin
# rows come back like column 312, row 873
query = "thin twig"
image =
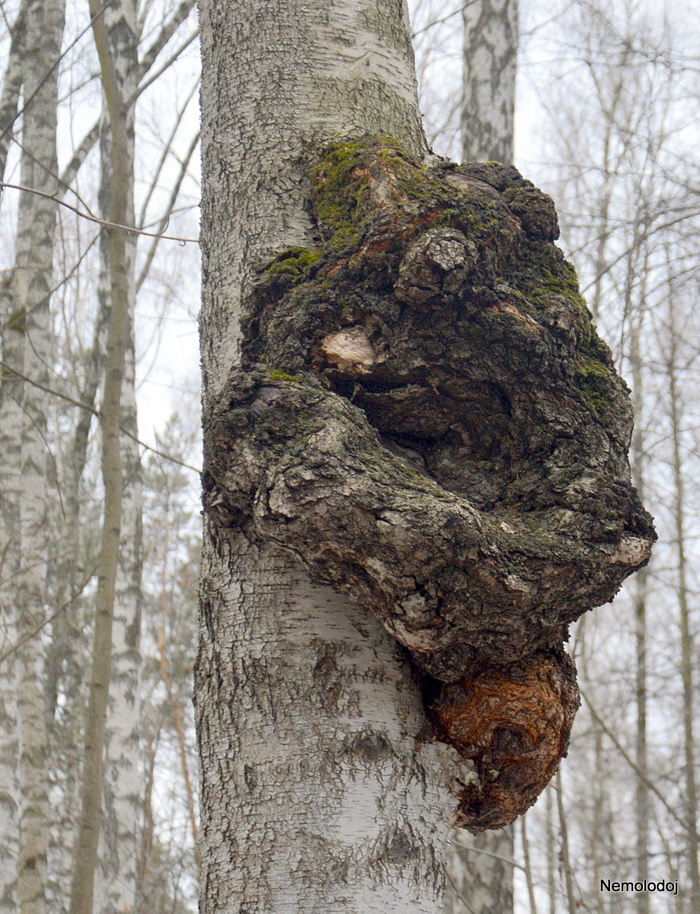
column 95, row 412
column 39, row 628
column 630, row 762
column 102, row 222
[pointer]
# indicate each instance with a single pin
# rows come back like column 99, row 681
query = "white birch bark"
column 26, row 348
column 318, row 793
column 488, row 104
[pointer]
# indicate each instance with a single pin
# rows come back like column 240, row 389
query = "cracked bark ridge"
column 426, row 417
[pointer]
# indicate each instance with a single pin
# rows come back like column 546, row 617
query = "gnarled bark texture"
column 425, row 417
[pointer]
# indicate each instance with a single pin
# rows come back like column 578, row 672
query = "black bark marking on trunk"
column 427, row 418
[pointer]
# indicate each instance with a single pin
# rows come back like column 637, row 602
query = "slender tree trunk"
column 91, row 793
column 686, row 632
column 317, row 792
column 173, row 702
column 144, row 904
column 550, row 850
column 489, row 61
column 528, row 865
column 122, row 794
column 12, row 85
column 69, row 645
column 26, row 350
column 10, row 493
column 641, row 792
column 116, row 876
column 565, row 856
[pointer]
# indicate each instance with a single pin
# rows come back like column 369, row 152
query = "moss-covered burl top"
column 426, row 416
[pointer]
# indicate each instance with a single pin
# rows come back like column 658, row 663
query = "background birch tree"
column 24, row 546
column 490, row 60
column 628, row 93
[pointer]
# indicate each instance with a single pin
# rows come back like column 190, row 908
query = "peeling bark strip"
column 426, row 417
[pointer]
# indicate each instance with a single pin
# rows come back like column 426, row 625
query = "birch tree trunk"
column 9, row 503
column 12, row 85
column 26, row 359
column 323, row 787
column 10, row 491
column 642, row 804
column 489, row 59
column 325, row 798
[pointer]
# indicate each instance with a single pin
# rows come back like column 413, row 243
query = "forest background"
column 607, row 123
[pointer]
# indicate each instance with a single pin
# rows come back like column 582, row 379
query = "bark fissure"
column 425, row 416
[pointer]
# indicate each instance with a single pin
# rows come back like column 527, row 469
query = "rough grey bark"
column 488, row 86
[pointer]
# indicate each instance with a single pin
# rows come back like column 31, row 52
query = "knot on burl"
column 425, row 416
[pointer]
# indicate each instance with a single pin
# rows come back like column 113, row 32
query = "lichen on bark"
column 425, row 416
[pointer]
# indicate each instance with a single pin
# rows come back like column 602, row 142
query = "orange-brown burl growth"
column 514, row 723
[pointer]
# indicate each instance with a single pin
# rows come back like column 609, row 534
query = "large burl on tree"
column 427, row 418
